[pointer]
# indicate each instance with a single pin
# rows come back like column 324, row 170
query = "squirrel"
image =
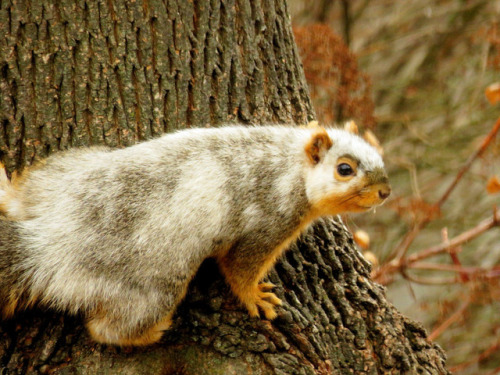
column 117, row 234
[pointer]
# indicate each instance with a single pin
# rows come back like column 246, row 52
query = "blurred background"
column 415, row 73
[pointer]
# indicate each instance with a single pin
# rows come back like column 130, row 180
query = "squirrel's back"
column 89, row 214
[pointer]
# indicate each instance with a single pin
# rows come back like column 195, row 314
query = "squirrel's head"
column 344, row 173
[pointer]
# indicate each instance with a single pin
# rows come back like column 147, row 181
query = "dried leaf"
column 492, row 93
column 493, row 185
column 362, row 239
column 334, row 79
column 416, row 209
column 372, row 258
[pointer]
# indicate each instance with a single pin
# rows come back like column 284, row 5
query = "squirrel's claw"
column 263, row 299
column 266, row 287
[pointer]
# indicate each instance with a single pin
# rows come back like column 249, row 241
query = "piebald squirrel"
column 117, row 235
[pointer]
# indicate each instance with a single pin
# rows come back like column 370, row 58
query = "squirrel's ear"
column 318, row 145
column 351, row 127
column 312, row 124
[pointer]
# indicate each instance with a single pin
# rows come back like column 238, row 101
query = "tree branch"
column 448, row 322
column 401, row 263
column 401, row 250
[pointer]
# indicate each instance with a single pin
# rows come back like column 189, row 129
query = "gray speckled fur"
column 12, row 255
column 125, row 230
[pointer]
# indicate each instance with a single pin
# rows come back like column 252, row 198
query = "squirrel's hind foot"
column 103, row 331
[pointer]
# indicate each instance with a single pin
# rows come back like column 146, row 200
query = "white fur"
column 320, row 180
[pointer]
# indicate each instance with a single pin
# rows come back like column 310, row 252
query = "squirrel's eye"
column 345, row 169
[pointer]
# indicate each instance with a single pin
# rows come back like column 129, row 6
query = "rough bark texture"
column 75, row 73
column 115, row 72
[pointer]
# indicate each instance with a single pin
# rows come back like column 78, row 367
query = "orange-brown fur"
column 253, row 294
column 318, row 145
column 16, row 301
column 13, row 189
column 11, row 306
column 150, row 336
column 358, row 199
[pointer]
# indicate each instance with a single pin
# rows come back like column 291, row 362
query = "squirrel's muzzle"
column 377, row 188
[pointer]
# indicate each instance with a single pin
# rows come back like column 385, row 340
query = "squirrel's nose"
column 384, row 192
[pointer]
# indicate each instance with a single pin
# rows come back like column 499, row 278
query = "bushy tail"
column 11, row 258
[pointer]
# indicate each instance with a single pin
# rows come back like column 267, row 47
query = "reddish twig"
column 481, row 357
column 401, row 250
column 428, row 281
column 466, row 236
column 448, row 322
column 454, row 268
column 400, row 263
column 456, row 261
column 453, row 251
column 489, row 138
column 495, row 371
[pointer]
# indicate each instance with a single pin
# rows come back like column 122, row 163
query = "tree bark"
column 115, row 72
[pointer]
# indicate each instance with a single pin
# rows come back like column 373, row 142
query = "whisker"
column 349, row 197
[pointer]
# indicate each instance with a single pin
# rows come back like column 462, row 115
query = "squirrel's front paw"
column 260, row 296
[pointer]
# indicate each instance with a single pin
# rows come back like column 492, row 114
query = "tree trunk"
column 115, row 72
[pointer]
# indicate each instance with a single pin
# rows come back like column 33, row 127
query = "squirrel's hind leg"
column 141, row 318
column 107, row 329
